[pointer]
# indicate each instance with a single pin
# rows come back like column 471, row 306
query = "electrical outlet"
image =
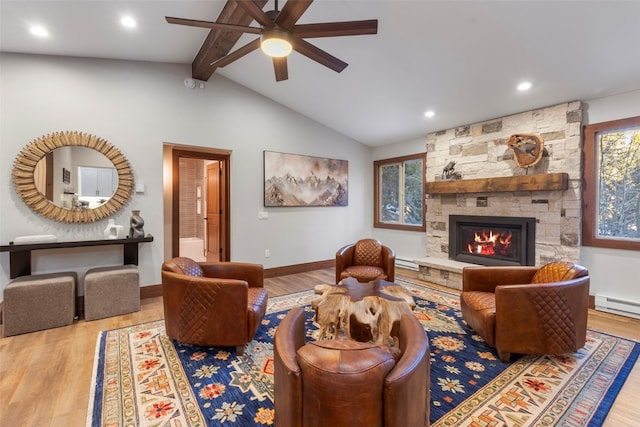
column 267, row 253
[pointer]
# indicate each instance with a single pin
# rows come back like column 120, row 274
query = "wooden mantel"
column 540, row 182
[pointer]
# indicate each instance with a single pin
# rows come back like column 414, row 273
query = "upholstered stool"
column 39, row 301
column 111, row 291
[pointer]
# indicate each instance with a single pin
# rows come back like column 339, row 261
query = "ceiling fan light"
column 275, row 43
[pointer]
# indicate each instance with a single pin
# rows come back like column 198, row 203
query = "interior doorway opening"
column 200, row 204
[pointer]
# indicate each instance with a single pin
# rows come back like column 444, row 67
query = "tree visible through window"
column 399, row 193
column 611, row 215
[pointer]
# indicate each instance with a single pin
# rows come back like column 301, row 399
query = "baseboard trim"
column 151, row 291
column 298, row 268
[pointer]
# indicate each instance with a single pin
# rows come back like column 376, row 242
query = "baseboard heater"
column 618, row 306
column 406, row 263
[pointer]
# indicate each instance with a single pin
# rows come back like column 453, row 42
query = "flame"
column 491, row 243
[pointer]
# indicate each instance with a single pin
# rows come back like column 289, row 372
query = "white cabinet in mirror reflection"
column 96, row 185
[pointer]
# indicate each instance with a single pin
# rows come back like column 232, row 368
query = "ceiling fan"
column 279, row 34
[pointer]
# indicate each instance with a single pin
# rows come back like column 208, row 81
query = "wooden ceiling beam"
column 220, row 42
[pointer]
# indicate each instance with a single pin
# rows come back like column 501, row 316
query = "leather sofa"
column 365, row 260
column 527, row 310
column 213, row 304
column 346, row 383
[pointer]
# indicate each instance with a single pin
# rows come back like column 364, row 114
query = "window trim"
column 590, row 186
column 377, row 223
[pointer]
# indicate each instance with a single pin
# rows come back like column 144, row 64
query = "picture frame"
column 66, row 176
column 294, row 180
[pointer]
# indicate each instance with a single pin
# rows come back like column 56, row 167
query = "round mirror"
column 72, row 177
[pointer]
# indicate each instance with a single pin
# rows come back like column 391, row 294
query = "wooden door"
column 213, row 211
column 222, row 160
column 49, row 176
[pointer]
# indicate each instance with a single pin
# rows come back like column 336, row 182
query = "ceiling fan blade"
column 214, row 25
column 334, row 29
column 318, row 55
column 280, row 67
column 291, row 12
column 237, row 54
column 256, row 12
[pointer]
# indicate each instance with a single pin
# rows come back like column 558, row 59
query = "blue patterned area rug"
column 142, row 378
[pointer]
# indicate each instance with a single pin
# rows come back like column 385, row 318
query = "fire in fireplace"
column 490, row 243
column 492, row 240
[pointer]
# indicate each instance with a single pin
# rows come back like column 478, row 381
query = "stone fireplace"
column 491, row 184
column 492, row 240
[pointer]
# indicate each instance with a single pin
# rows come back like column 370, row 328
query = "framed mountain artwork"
column 297, row 180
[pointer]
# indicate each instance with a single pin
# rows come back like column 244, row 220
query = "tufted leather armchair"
column 213, row 304
column 527, row 310
column 365, row 260
column 346, row 383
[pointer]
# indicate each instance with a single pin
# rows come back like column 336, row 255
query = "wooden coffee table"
column 361, row 311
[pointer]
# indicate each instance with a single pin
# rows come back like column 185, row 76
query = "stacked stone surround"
column 480, row 151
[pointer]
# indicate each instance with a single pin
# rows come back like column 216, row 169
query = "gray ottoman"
column 39, row 301
column 111, row 291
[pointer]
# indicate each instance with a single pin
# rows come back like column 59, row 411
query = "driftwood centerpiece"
column 361, row 311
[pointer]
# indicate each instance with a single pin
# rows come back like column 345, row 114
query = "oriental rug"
column 142, row 378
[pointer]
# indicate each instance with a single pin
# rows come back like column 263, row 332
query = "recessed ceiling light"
column 128, row 21
column 524, row 86
column 429, row 113
column 39, row 31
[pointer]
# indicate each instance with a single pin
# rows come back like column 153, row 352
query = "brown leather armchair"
column 213, row 304
column 527, row 310
column 366, row 260
column 349, row 383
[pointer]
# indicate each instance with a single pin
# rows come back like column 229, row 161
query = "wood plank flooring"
column 45, row 376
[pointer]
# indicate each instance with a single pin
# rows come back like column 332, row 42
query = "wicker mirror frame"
column 25, row 185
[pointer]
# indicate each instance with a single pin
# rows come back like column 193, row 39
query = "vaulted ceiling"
column 460, row 59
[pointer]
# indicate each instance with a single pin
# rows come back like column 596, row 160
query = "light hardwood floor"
column 45, row 376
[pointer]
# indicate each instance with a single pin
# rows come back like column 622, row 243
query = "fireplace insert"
column 492, row 240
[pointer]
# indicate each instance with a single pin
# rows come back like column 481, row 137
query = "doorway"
column 200, row 205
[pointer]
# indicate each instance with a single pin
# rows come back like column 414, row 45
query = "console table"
column 20, row 255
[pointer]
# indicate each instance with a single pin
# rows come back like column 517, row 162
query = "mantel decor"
column 527, row 149
column 297, row 180
column 24, row 168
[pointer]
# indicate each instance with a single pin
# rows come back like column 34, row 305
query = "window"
column 399, row 193
column 611, row 192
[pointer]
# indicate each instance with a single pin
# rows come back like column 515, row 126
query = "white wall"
column 137, row 107
column 407, row 244
column 613, row 272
